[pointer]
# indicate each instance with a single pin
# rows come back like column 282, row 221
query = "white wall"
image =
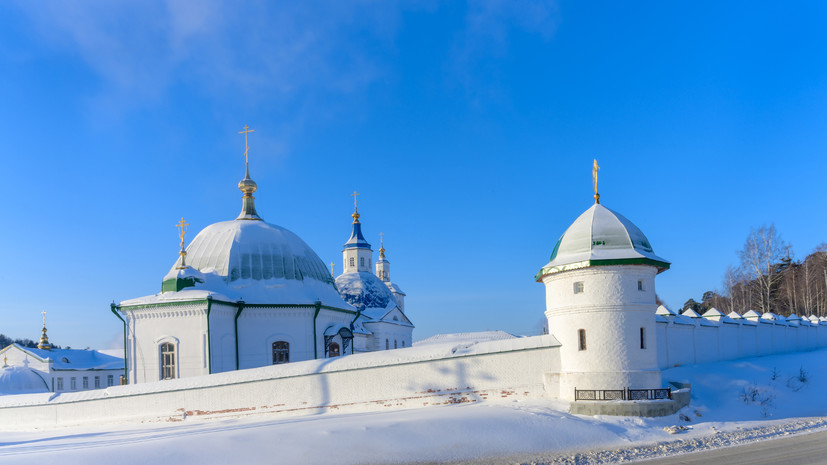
column 683, row 341
column 404, row 378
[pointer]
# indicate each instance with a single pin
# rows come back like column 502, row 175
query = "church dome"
column 21, row 380
column 601, row 236
column 256, row 250
column 364, row 290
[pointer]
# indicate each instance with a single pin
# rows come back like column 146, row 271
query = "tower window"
column 394, row 344
column 167, row 360
column 361, row 261
column 640, row 284
column 581, row 336
column 642, row 338
column 281, row 352
column 387, row 344
column 578, row 287
column 352, row 262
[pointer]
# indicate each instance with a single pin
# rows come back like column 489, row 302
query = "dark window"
column 97, row 382
column 333, row 349
column 387, row 344
column 110, row 380
column 642, row 338
column 60, row 384
column 352, row 261
column 85, row 382
column 281, row 352
column 403, row 343
column 581, row 336
column 640, row 285
column 394, row 344
column 578, row 287
column 167, row 360
column 361, row 261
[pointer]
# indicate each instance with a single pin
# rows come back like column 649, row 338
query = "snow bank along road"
column 733, row 403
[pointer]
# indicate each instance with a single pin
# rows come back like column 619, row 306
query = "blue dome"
column 364, row 290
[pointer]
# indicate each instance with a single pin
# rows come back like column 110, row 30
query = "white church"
column 246, row 293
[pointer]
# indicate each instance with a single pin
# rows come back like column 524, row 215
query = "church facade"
column 246, row 293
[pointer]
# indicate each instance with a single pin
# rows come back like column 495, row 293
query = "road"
column 803, row 449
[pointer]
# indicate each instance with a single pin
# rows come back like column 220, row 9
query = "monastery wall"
column 684, row 340
column 406, row 378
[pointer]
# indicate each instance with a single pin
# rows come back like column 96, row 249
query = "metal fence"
column 622, row 394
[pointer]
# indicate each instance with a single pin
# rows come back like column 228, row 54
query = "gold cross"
column 355, row 196
column 44, row 318
column 246, row 146
column 381, row 240
column 182, row 225
column 595, row 169
column 331, row 267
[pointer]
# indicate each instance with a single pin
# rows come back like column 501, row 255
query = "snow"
column 365, row 291
column 21, row 380
column 519, row 431
column 74, row 359
column 465, row 338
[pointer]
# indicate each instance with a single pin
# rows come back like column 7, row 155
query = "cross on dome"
column 182, row 227
column 595, row 169
column 355, row 215
column 247, row 185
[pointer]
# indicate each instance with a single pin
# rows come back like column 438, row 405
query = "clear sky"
column 468, row 128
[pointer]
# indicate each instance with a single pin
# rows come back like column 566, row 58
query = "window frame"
column 579, row 287
column 581, row 339
column 330, row 349
column 110, row 380
column 165, row 349
column 643, row 337
column 281, row 354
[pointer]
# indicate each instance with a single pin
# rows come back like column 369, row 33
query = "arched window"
column 403, row 343
column 333, row 349
column 387, row 344
column 395, row 346
column 281, row 352
column 167, row 360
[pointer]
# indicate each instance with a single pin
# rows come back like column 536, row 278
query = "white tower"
column 383, row 272
column 357, row 254
column 600, row 304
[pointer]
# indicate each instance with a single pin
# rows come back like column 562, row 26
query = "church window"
column 60, row 384
column 387, row 344
column 167, row 360
column 333, row 349
column 640, row 284
column 281, row 352
column 110, row 380
column 352, row 261
column 85, row 382
column 394, row 344
column 581, row 336
column 361, row 261
column 97, row 382
column 403, row 343
column 73, row 384
column 642, row 338
column 578, row 287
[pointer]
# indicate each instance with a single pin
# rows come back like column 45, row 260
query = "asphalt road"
column 801, row 449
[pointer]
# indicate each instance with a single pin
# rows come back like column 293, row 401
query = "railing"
column 622, row 394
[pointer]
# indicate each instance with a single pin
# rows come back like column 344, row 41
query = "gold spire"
column 182, row 227
column 247, row 185
column 44, row 339
column 355, row 214
column 595, row 169
column 381, row 245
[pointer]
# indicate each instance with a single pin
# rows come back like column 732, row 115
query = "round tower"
column 600, row 304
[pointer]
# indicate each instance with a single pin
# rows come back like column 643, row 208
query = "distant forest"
column 769, row 279
column 5, row 341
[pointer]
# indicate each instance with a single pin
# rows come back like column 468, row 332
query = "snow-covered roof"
column 465, row 338
column 689, row 313
column 21, row 380
column 393, row 287
column 752, row 314
column 734, row 315
column 665, row 311
column 76, row 359
column 601, row 236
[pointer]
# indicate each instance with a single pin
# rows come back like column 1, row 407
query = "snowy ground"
column 489, row 432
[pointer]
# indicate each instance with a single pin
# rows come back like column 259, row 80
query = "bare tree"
column 763, row 251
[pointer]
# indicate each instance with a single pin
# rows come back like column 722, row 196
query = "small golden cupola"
column 44, row 339
column 247, row 186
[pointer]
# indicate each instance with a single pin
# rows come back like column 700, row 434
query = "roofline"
column 660, row 265
column 235, row 304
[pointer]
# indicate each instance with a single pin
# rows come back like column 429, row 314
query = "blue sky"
column 468, row 128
